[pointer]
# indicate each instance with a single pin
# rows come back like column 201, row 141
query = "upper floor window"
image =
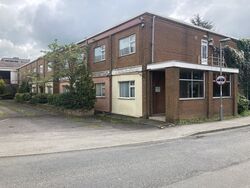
column 100, row 53
column 49, row 67
column 40, row 68
column 127, row 45
column 226, row 88
column 100, row 89
column 191, row 84
column 204, row 52
column 127, row 89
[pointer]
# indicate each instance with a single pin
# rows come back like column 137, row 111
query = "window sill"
column 101, row 61
column 100, row 97
column 188, row 99
column 121, row 56
column 225, row 97
column 126, row 98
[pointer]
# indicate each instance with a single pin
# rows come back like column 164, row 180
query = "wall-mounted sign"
column 157, row 89
column 220, row 80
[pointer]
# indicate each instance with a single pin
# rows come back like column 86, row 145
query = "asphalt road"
column 220, row 159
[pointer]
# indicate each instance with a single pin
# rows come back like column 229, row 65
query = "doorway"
column 158, row 92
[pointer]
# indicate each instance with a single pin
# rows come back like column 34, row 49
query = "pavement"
column 216, row 160
column 26, row 130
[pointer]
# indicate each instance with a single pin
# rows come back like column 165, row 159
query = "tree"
column 65, row 61
column 240, row 59
column 199, row 21
column 85, row 90
column 25, row 87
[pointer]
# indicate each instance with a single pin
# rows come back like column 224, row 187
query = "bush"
column 25, row 87
column 41, row 98
column 54, row 99
column 2, row 86
column 9, row 92
column 22, row 97
column 242, row 104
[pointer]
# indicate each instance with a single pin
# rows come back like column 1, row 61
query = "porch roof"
column 180, row 64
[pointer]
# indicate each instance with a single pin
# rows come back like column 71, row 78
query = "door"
column 158, row 92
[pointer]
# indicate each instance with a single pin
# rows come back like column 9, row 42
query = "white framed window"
column 49, row 89
column 204, row 52
column 192, row 84
column 100, row 89
column 49, row 67
column 65, row 88
column 226, row 88
column 41, row 69
column 127, row 45
column 127, row 89
column 99, row 53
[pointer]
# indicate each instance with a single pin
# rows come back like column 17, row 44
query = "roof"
column 161, row 17
column 4, row 64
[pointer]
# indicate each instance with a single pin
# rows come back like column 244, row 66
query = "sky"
column 28, row 26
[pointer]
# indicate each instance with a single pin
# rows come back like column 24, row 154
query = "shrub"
column 41, row 98
column 22, row 97
column 54, row 99
column 242, row 104
column 25, row 87
column 2, row 86
column 9, row 92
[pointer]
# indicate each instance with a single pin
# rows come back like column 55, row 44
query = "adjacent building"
column 155, row 66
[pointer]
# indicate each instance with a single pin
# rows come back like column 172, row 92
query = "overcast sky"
column 28, row 26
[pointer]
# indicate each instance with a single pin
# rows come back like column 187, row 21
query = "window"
column 49, row 67
column 204, row 52
column 65, row 88
column 127, row 45
column 34, row 70
column 191, row 84
column 100, row 89
column 226, row 88
column 100, row 53
column 49, row 89
column 40, row 68
column 127, row 89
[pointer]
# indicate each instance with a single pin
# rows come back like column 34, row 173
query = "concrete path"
column 40, row 132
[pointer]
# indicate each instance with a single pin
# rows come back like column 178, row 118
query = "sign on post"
column 220, row 80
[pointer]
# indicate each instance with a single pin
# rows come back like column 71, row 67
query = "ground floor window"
column 100, row 89
column 191, row 84
column 127, row 89
column 226, row 88
column 65, row 88
column 49, row 89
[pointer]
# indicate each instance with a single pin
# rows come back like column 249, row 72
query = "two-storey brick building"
column 152, row 65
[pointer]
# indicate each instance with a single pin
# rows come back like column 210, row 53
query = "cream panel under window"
column 127, row 95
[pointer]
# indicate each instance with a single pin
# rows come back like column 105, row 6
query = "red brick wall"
column 103, row 103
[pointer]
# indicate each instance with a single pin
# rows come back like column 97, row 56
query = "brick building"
column 155, row 66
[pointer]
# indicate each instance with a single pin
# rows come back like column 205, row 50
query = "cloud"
column 33, row 24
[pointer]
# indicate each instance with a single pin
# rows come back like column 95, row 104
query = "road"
column 219, row 159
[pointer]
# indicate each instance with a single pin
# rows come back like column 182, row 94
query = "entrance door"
column 158, row 92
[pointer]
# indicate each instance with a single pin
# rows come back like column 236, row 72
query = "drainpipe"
column 153, row 41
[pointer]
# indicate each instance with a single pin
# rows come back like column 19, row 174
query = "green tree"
column 199, row 21
column 240, row 59
column 2, row 86
column 25, row 87
column 65, row 61
column 85, row 90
